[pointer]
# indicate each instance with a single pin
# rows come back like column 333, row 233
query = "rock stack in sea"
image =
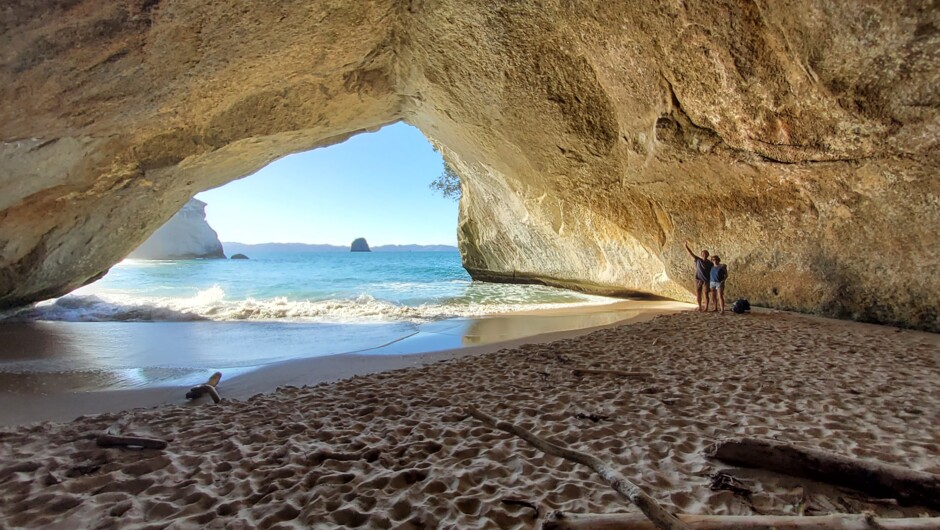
column 360, row 245
column 186, row 235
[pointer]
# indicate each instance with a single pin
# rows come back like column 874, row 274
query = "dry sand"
column 395, row 450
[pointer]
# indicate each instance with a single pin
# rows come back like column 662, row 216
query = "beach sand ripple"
column 395, row 450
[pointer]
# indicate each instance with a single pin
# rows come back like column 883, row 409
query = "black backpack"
column 740, row 306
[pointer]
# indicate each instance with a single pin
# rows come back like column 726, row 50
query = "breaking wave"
column 211, row 304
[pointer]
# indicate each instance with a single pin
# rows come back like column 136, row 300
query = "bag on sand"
column 740, row 306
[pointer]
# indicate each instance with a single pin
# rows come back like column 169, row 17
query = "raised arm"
column 690, row 251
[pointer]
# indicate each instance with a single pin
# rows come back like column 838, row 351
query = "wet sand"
column 396, row 450
column 91, row 386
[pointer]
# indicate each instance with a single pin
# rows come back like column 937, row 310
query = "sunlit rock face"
column 186, row 235
column 798, row 140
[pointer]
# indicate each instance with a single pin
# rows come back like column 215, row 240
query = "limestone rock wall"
column 797, row 139
column 186, row 235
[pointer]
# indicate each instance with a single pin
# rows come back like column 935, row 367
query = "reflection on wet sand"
column 28, row 346
column 60, row 357
column 24, row 341
column 54, row 357
column 498, row 329
column 465, row 333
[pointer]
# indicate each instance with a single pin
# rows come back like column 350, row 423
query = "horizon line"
column 343, row 245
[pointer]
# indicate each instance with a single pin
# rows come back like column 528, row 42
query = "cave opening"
column 375, row 185
column 382, row 191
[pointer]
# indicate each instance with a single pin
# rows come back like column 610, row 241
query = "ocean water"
column 326, row 287
column 152, row 323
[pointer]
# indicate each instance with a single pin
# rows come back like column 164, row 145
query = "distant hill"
column 287, row 248
column 414, row 248
column 244, row 248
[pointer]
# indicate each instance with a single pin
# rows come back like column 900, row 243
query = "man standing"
column 703, row 269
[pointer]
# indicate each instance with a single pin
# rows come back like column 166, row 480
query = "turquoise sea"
column 152, row 323
column 325, row 287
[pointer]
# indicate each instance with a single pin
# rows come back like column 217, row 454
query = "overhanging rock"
column 798, row 141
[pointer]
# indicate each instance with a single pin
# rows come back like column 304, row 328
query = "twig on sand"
column 593, row 417
column 113, row 440
column 629, row 521
column 209, row 387
column 515, row 501
column 579, row 372
column 874, row 478
column 723, row 481
column 652, row 509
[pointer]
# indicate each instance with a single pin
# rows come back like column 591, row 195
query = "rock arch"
column 798, row 140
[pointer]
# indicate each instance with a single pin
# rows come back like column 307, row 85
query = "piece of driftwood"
column 201, row 390
column 209, row 387
column 723, row 481
column 516, row 501
column 877, row 479
column 653, row 510
column 596, row 418
column 631, row 521
column 113, row 440
column 593, row 371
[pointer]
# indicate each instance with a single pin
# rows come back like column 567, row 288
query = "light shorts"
column 718, row 285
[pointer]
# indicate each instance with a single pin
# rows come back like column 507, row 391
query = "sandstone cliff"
column 186, row 235
column 798, row 139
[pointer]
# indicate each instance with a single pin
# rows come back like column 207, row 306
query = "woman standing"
column 719, row 274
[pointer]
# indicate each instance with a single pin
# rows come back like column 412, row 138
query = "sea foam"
column 211, row 304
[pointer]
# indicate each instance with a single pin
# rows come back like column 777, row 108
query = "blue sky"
column 374, row 185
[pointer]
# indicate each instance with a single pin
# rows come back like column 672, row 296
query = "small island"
column 360, row 245
column 239, row 256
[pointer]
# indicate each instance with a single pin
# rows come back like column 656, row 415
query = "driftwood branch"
column 630, row 521
column 201, row 390
column 112, row 440
column 874, row 478
column 725, row 482
column 209, row 387
column 515, row 501
column 652, row 509
column 592, row 371
column 596, row 418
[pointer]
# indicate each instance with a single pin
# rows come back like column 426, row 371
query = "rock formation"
column 186, row 235
column 797, row 139
column 239, row 256
column 359, row 245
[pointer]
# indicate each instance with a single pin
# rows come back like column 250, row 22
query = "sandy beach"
column 395, row 449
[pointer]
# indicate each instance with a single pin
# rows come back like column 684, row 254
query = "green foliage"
column 447, row 183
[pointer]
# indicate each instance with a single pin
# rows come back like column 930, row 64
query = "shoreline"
column 434, row 342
